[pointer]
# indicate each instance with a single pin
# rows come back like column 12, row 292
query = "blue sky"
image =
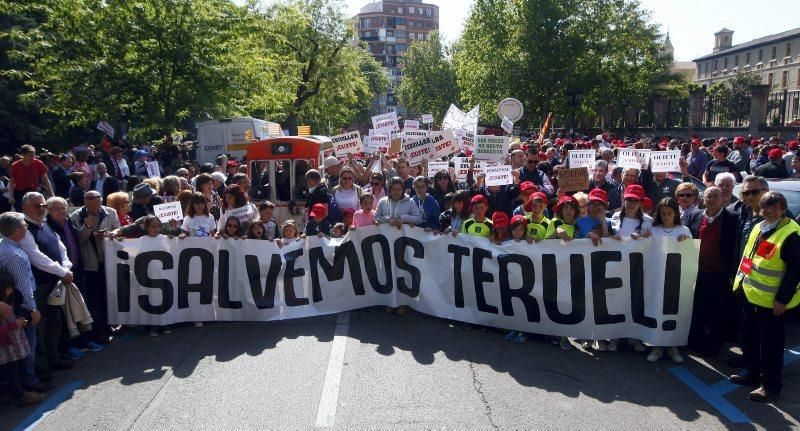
column 691, row 23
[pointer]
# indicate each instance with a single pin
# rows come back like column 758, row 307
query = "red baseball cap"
column 598, row 195
column 647, row 203
column 499, row 220
column 349, row 211
column 792, row 145
column 634, row 191
column 566, row 199
column 318, row 210
column 527, row 187
column 775, row 153
column 738, row 140
column 518, row 219
column 479, row 199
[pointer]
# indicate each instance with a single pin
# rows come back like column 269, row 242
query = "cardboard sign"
column 499, row 175
column 665, row 161
column 244, row 213
column 491, row 148
column 347, row 143
column 411, row 125
column 445, row 143
column 573, row 179
column 466, row 140
column 434, row 167
column 413, row 135
column 106, row 128
column 386, row 122
column 632, row 158
column 582, row 158
column 507, row 125
column 167, row 212
column 462, row 166
column 375, row 143
column 419, row 150
column 427, row 118
column 153, row 171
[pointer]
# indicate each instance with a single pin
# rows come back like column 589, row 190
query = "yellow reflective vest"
column 762, row 269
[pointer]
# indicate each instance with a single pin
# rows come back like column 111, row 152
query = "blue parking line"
column 48, row 406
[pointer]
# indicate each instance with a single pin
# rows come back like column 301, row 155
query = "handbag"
column 57, row 296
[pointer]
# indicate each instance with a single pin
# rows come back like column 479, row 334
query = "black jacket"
column 110, row 185
column 727, row 244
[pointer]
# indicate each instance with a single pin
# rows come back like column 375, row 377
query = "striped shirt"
column 14, row 260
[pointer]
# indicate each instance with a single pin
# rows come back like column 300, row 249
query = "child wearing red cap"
column 595, row 225
column 500, row 232
column 631, row 219
column 478, row 224
column 318, row 223
column 537, row 222
column 518, row 227
column 563, row 225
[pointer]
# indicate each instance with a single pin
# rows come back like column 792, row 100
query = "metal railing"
column 783, row 108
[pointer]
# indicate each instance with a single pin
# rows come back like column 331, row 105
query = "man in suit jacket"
column 61, row 173
column 104, row 184
column 715, row 226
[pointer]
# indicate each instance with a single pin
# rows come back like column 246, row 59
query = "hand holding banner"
column 582, row 158
column 491, row 148
column 499, row 175
column 573, row 179
column 347, row 143
column 168, row 211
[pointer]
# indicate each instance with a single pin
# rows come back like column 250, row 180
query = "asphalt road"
column 376, row 370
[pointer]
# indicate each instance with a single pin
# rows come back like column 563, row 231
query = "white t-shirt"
column 676, row 231
column 199, row 225
column 346, row 198
column 629, row 226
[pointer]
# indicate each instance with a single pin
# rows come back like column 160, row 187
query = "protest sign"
column 106, row 128
column 413, row 135
column 444, row 143
column 499, row 175
column 462, row 166
column 643, row 156
column 632, row 158
column 466, row 140
column 491, row 148
column 168, row 211
column 347, row 143
column 582, row 158
column 456, row 119
column 244, row 213
column 573, row 179
column 641, row 289
column 419, row 150
column 510, row 108
column 386, row 122
column 153, row 171
column 507, row 125
column 434, row 167
column 427, row 118
column 410, row 125
column 481, row 165
column 665, row 161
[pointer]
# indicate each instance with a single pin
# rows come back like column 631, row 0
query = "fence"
column 783, row 108
column 726, row 110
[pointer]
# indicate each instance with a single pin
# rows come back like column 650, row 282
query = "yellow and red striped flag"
column 545, row 127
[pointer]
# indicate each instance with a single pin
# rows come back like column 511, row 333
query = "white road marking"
column 326, row 414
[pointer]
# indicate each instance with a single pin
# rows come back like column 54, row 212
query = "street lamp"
column 574, row 98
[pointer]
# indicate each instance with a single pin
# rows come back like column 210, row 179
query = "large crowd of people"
column 57, row 211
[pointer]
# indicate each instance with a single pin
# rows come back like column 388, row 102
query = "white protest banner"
column 628, row 158
column 419, row 150
column 456, row 119
column 347, row 143
column 582, row 158
column 481, row 165
column 413, row 135
column 665, row 161
column 466, row 140
column 244, row 213
column 641, row 289
column 491, row 148
column 427, row 118
column 106, row 128
column 168, row 211
column 507, row 125
column 410, row 125
column 376, row 142
column 499, row 175
column 462, row 166
column 153, row 171
column 444, row 143
column 434, row 167
column 386, row 122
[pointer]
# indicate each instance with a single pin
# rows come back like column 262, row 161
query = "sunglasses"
column 752, row 192
column 347, row 178
column 685, row 195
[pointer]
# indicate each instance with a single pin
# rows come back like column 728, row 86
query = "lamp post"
column 574, row 98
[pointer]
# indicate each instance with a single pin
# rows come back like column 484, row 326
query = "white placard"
column 168, row 211
column 347, row 143
column 507, row 125
column 153, row 171
column 434, row 167
column 499, row 175
column 375, row 143
column 466, row 140
column 413, row 135
column 445, row 143
column 419, row 150
column 665, row 161
column 427, row 118
column 491, row 148
column 481, row 165
column 582, row 159
column 462, row 166
column 510, row 108
column 456, row 119
column 106, row 128
column 244, row 213
column 410, row 125
column 386, row 122
column 644, row 158
column 631, row 158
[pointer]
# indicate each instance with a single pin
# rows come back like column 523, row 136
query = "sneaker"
column 599, row 345
column 520, row 338
column 638, row 345
column 511, row 335
column 30, row 398
column 167, row 329
column 564, row 343
column 74, row 354
column 94, row 347
column 675, row 355
column 612, row 345
column 198, row 324
column 655, row 355
column 401, row 309
column 154, row 331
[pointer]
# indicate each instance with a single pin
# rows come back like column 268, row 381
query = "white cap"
column 330, row 162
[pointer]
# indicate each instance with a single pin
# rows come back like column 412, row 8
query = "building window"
column 429, row 13
column 788, row 50
column 419, row 11
column 401, row 47
column 725, row 63
column 785, row 79
column 736, row 60
column 747, row 58
column 769, row 79
column 389, row 33
column 774, row 52
column 400, row 33
column 715, row 65
column 706, row 68
column 400, row 10
column 760, row 55
column 798, row 77
column 365, row 23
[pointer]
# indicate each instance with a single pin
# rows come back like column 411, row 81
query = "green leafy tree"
column 429, row 78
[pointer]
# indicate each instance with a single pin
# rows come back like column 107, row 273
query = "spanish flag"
column 545, row 127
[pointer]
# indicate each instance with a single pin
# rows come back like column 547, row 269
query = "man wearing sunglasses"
column 531, row 173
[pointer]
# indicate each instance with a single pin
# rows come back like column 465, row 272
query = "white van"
column 227, row 136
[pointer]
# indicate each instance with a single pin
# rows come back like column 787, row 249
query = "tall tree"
column 429, row 78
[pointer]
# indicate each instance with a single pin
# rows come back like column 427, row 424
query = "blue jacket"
column 430, row 211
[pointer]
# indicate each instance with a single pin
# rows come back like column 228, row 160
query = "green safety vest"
column 537, row 229
column 477, row 228
column 556, row 223
column 762, row 269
